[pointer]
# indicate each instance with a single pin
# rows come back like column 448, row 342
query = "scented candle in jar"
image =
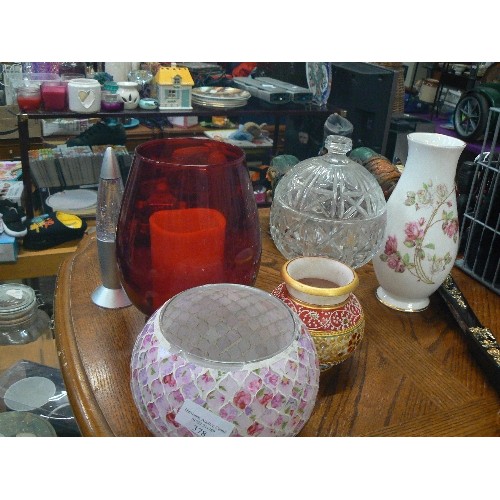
column 111, row 101
column 54, row 95
column 29, row 98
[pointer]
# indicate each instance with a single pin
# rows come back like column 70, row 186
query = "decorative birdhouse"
column 173, row 87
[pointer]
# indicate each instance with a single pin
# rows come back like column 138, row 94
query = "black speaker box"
column 366, row 93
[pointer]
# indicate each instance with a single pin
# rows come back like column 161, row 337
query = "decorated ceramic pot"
column 129, row 94
column 320, row 291
column 224, row 360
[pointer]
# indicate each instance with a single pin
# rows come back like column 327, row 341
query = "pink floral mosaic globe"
column 224, row 360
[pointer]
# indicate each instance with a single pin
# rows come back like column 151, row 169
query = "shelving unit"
column 449, row 79
column 253, row 111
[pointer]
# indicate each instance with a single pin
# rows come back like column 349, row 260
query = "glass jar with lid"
column 21, row 319
column 329, row 206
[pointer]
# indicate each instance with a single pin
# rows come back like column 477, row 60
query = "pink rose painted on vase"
column 415, row 232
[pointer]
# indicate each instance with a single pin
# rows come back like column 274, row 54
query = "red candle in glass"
column 54, row 96
column 188, row 218
column 29, row 98
column 187, row 249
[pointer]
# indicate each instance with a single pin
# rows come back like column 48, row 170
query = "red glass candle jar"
column 29, row 98
column 188, row 218
column 54, row 95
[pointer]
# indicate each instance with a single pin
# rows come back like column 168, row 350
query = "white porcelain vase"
column 422, row 234
column 128, row 94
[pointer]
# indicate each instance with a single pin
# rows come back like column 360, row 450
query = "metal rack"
column 449, row 79
column 480, row 236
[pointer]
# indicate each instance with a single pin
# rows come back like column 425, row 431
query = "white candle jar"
column 84, row 95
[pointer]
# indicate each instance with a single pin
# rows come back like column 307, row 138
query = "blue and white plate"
column 319, row 80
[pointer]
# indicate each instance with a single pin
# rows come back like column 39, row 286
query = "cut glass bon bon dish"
column 329, row 206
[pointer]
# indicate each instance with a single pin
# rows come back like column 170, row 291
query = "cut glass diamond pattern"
column 329, row 206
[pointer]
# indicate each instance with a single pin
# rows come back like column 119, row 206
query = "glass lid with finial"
column 329, row 206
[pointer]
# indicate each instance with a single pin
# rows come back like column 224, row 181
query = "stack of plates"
column 220, row 97
column 74, row 201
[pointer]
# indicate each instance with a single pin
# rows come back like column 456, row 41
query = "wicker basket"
column 398, row 105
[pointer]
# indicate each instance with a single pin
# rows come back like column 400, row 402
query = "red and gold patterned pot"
column 320, row 291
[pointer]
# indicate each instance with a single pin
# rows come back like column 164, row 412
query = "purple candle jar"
column 111, row 102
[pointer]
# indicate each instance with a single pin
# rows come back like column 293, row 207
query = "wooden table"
column 412, row 375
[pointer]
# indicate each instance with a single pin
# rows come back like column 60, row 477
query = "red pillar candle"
column 187, row 250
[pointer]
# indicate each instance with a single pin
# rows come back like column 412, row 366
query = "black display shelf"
column 269, row 113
